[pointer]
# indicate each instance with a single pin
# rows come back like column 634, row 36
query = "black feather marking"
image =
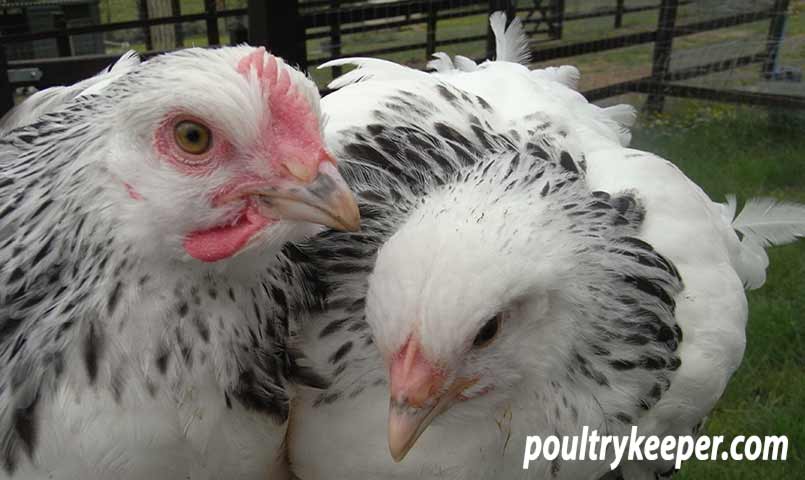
column 93, row 348
column 9, row 326
column 25, row 425
column 674, row 363
column 255, row 396
column 462, row 146
column 341, row 352
column 566, row 161
column 114, row 296
column 622, row 364
column 19, row 342
column 279, row 298
column 42, row 251
column 484, row 104
column 446, row 93
column 678, row 331
column 202, row 327
column 536, row 150
column 163, row 355
column 624, row 203
column 303, row 375
column 365, row 152
column 375, row 129
column 333, row 327
column 624, row 418
column 7, row 211
column 16, row 275
column 652, row 363
column 483, row 137
column 42, row 207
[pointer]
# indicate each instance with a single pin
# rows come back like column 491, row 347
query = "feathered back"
column 513, row 89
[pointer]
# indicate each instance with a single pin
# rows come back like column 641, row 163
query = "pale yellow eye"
column 192, row 137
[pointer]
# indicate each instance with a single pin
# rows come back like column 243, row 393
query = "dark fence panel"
column 288, row 25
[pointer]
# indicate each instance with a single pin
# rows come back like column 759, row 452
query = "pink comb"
column 291, row 111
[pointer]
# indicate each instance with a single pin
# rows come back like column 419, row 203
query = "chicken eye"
column 488, row 332
column 192, row 137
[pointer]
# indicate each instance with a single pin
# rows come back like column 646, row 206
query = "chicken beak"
column 407, row 422
column 417, row 396
column 324, row 200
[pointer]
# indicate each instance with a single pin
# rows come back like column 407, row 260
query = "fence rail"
column 287, row 26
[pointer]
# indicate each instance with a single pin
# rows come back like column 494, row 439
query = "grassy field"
column 739, row 150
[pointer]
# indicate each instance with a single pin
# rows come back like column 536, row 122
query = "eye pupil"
column 193, row 135
column 487, row 332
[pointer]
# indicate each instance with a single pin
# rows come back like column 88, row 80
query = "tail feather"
column 441, row 63
column 367, row 68
column 763, row 222
column 567, row 75
column 511, row 44
column 465, row 64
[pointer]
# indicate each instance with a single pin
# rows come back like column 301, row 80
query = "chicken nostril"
column 299, row 171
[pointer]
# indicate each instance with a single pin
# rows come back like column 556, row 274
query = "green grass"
column 738, row 150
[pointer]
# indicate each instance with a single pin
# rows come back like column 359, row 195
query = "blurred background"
column 718, row 85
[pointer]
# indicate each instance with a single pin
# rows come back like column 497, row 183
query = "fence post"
column 662, row 52
column 497, row 6
column 63, row 40
column 213, row 35
column 431, row 34
column 6, row 91
column 775, row 37
column 558, row 19
column 619, row 14
column 335, row 39
column 278, row 26
column 142, row 12
column 178, row 33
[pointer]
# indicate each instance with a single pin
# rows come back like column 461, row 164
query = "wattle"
column 222, row 242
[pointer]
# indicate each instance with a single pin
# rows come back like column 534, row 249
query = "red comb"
column 291, row 111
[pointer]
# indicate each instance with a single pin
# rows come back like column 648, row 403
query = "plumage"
column 146, row 301
column 520, row 271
